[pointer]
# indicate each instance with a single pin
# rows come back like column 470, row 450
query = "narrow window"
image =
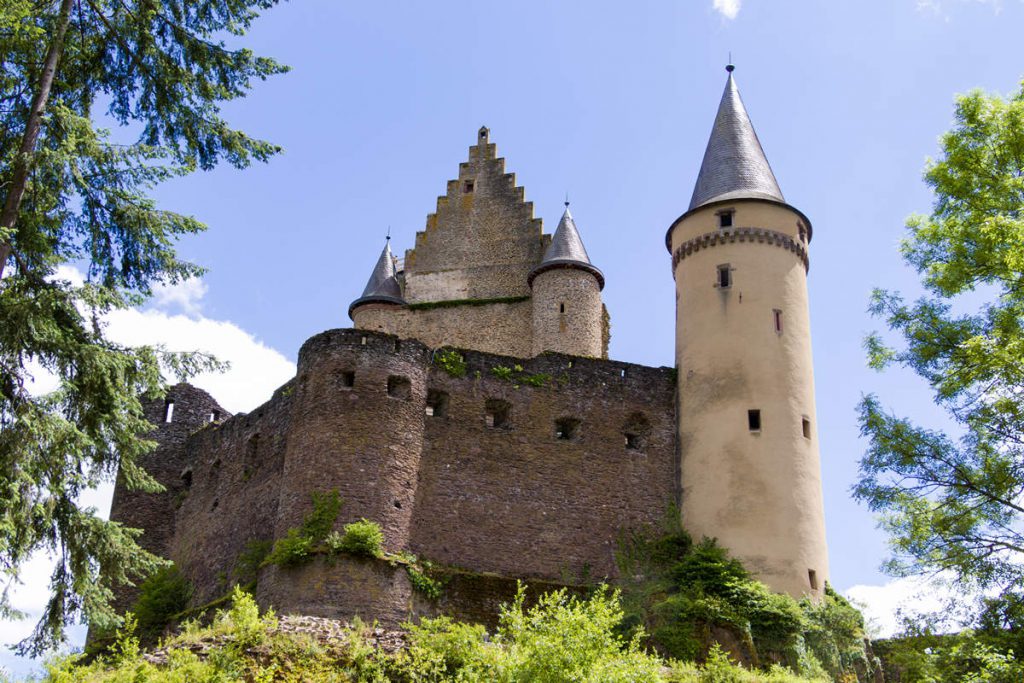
column 168, row 411
column 347, row 379
column 813, row 578
column 561, row 308
column 468, row 186
column 214, row 415
column 186, row 477
column 724, row 276
column 803, row 232
column 437, row 403
column 622, row 373
column 806, row 423
column 725, row 219
column 777, row 317
column 399, row 387
column 567, row 428
column 363, row 341
column 497, row 413
column 754, row 420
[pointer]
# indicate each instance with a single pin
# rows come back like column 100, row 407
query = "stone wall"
column 515, row 498
column 232, row 502
column 502, row 328
column 526, row 469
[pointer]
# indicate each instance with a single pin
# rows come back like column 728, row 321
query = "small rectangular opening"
column 347, row 379
column 725, row 219
column 468, row 186
column 806, row 425
column 497, row 413
column 399, row 387
column 214, row 415
column 754, row 420
column 777, row 317
column 561, row 308
column 724, row 276
column 168, row 411
column 437, row 403
column 567, row 428
column 812, row 576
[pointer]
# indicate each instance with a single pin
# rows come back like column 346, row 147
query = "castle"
column 473, row 414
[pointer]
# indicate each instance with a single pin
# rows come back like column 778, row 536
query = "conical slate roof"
column 566, row 251
column 382, row 286
column 734, row 165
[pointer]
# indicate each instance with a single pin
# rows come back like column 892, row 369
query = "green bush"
column 162, row 595
column 451, row 361
column 363, row 538
column 299, row 543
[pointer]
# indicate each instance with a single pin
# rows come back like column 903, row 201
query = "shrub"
column 430, row 588
column 162, row 595
column 363, row 538
column 451, row 361
column 299, row 543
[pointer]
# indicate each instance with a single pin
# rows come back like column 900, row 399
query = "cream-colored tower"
column 566, row 296
column 751, row 474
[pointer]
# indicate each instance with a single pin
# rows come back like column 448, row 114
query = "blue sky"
column 612, row 103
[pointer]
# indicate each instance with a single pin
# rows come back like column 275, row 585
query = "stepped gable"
column 483, row 240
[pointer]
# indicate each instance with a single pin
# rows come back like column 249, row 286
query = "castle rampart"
column 523, row 469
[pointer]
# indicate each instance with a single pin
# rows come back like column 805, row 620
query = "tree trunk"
column 23, row 161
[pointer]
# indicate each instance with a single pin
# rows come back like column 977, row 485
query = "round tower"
column 750, row 469
column 566, row 295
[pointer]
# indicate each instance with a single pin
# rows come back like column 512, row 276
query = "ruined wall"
column 516, row 499
column 169, row 464
column 482, row 241
column 232, row 502
column 502, row 328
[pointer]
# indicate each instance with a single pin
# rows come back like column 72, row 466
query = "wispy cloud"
column 727, row 8
column 939, row 7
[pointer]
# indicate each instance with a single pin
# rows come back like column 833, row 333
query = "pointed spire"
column 566, row 251
column 734, row 165
column 382, row 287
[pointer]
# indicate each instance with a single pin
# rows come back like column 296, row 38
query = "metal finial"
column 389, row 233
column 730, row 67
column 567, row 200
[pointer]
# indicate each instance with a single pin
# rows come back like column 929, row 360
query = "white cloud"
column 881, row 605
column 174, row 319
column 727, row 8
column 186, row 295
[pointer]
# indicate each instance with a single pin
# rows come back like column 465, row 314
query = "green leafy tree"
column 71, row 195
column 952, row 501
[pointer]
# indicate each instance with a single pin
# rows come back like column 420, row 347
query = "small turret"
column 566, row 293
column 382, row 287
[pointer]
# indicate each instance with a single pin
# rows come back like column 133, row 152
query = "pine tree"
column 72, row 196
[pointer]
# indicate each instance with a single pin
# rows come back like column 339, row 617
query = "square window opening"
column 347, row 379
column 498, row 413
column 567, row 429
column 634, row 442
column 437, row 403
column 754, row 420
column 725, row 219
column 399, row 387
column 806, row 426
column 468, row 186
column 724, row 276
